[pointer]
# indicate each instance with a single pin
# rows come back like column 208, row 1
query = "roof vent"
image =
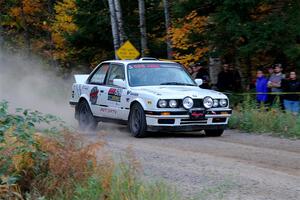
column 147, row 58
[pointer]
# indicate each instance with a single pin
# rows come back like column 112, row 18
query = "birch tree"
column 114, row 26
column 144, row 47
column 118, row 11
column 168, row 24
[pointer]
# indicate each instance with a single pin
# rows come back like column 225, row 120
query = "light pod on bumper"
column 208, row 102
column 188, row 103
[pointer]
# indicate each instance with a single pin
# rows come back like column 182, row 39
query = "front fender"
column 140, row 101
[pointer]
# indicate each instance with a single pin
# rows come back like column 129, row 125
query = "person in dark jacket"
column 200, row 72
column 261, row 87
column 225, row 82
column 291, row 101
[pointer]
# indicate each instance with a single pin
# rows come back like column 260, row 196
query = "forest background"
column 78, row 34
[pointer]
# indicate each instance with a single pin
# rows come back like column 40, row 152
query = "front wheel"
column 86, row 119
column 214, row 132
column 137, row 121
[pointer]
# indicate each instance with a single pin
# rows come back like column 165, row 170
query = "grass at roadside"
column 249, row 117
column 55, row 164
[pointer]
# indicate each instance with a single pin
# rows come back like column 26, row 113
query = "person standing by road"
column 275, row 83
column 200, row 72
column 291, row 101
column 261, row 87
column 225, row 82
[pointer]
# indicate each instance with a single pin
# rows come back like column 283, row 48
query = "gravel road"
column 234, row 166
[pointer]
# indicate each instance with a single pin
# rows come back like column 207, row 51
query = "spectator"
column 261, row 86
column 189, row 70
column 199, row 72
column 270, row 71
column 235, row 78
column 202, row 73
column 274, row 82
column 225, row 82
column 291, row 101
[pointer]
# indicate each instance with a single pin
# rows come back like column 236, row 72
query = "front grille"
column 193, row 121
column 198, row 103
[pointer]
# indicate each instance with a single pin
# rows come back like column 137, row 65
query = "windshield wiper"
column 176, row 83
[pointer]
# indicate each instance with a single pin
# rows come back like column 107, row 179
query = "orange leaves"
column 261, row 11
column 62, row 25
column 29, row 10
column 182, row 41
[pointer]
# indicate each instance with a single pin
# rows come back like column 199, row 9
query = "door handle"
column 101, row 91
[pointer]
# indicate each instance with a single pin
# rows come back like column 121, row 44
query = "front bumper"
column 184, row 121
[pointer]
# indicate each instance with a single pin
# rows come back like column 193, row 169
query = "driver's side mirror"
column 199, row 81
column 119, row 82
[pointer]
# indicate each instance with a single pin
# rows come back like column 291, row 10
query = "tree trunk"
column 1, row 38
column 53, row 63
column 144, row 47
column 168, row 24
column 114, row 26
column 118, row 10
column 26, row 31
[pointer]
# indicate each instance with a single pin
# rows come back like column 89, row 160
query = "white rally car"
column 148, row 95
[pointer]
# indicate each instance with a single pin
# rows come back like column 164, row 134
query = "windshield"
column 146, row 74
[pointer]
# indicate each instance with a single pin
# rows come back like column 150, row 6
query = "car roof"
column 126, row 62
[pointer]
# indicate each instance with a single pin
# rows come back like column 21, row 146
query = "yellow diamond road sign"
column 127, row 51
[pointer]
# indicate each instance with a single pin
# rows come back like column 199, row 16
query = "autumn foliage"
column 63, row 26
column 188, row 49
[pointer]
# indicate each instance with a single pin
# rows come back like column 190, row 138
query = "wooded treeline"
column 246, row 33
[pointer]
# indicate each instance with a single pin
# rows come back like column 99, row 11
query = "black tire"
column 86, row 120
column 214, row 132
column 137, row 121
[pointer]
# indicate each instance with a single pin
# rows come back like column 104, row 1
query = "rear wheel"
column 86, row 119
column 214, row 132
column 137, row 121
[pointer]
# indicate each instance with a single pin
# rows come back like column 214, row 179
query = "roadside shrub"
column 249, row 116
column 20, row 154
column 57, row 164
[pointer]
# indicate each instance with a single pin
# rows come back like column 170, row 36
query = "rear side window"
column 99, row 76
column 116, row 72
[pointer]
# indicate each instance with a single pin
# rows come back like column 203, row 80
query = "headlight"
column 188, row 102
column 208, row 102
column 223, row 102
column 173, row 103
column 216, row 103
column 162, row 103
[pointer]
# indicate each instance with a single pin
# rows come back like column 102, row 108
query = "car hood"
column 179, row 92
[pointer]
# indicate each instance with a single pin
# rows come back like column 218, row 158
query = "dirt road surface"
column 234, row 166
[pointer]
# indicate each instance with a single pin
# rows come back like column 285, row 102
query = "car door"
column 96, row 89
column 115, row 94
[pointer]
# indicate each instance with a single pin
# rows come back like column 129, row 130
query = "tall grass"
column 55, row 164
column 250, row 117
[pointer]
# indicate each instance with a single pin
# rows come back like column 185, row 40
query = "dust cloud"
column 30, row 83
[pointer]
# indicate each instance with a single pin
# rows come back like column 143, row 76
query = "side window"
column 116, row 72
column 99, row 75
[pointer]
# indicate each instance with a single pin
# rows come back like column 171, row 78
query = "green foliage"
column 127, row 185
column 261, row 119
column 92, row 38
column 29, row 160
column 18, row 142
column 92, row 190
